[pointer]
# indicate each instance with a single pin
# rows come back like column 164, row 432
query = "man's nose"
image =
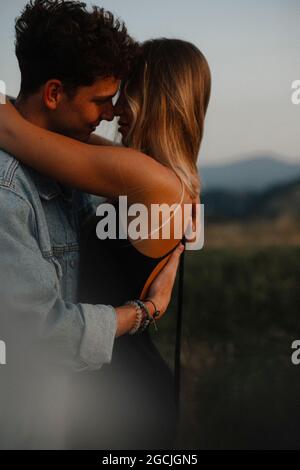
column 118, row 108
column 108, row 113
column 116, row 111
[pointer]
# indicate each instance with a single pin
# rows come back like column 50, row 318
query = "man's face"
column 123, row 111
column 79, row 116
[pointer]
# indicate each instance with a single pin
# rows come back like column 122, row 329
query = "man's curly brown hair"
column 61, row 39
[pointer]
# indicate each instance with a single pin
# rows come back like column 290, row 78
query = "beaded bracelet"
column 148, row 319
column 142, row 321
column 139, row 316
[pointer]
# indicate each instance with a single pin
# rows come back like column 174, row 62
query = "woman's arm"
column 106, row 171
column 99, row 140
column 102, row 170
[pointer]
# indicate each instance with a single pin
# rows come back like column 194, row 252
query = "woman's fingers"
column 160, row 290
column 173, row 262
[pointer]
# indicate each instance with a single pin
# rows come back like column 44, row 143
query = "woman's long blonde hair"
column 168, row 94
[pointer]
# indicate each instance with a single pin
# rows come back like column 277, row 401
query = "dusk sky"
column 253, row 48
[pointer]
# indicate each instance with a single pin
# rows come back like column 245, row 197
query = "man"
column 71, row 64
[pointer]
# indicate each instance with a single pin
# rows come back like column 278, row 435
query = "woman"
column 162, row 108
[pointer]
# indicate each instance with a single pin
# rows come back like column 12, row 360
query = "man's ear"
column 53, row 94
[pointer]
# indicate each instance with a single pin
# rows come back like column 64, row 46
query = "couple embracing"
column 93, row 301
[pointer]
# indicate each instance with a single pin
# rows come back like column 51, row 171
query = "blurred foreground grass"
column 241, row 314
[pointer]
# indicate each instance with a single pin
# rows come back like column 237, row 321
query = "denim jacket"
column 40, row 225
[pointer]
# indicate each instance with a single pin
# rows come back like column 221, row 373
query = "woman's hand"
column 161, row 288
column 8, row 116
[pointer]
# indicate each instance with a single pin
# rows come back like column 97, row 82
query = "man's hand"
column 161, row 288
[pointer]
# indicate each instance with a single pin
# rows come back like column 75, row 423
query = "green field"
column 241, row 314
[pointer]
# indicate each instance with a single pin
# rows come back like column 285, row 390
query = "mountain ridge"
column 273, row 202
column 253, row 173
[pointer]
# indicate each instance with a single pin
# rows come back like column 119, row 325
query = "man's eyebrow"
column 105, row 97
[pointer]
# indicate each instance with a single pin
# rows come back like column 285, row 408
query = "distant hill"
column 255, row 173
column 278, row 200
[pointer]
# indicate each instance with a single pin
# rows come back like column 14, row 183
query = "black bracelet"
column 156, row 312
column 149, row 319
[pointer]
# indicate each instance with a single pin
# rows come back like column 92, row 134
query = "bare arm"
column 101, row 170
column 96, row 139
column 160, row 292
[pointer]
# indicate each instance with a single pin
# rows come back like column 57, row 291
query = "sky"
column 253, row 49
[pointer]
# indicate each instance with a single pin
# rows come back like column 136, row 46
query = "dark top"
column 113, row 271
column 137, row 405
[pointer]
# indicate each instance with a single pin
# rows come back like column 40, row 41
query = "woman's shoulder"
column 167, row 218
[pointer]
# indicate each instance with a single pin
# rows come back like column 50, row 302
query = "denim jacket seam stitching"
column 12, row 189
column 72, row 247
column 48, row 253
column 10, row 173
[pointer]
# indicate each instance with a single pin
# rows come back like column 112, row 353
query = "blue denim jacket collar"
column 49, row 188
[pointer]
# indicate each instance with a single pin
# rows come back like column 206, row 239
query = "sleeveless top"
column 129, row 403
column 113, row 270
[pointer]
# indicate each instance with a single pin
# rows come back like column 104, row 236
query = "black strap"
column 177, row 368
